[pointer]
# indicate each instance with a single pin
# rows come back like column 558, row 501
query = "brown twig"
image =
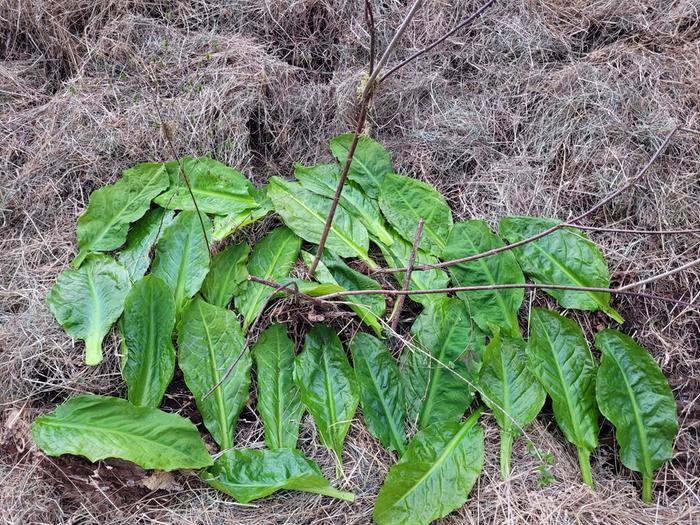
column 362, row 118
column 369, row 20
column 526, row 286
column 640, row 232
column 439, row 41
column 407, row 278
column 543, row 233
column 167, row 134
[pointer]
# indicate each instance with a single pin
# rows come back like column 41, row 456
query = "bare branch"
column 570, row 222
column 407, row 278
column 439, row 41
column 364, row 108
column 369, row 20
column 659, row 276
column 639, row 232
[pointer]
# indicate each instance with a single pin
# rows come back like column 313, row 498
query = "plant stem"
column 506, row 450
column 646, row 488
column 93, row 350
column 584, row 460
column 407, row 278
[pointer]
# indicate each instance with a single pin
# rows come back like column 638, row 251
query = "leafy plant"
column 459, row 347
column 510, row 390
column 634, row 395
column 561, row 360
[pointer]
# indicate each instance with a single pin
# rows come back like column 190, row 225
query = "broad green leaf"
column 225, row 225
column 279, row 402
column 182, row 258
column 104, row 225
column 272, row 258
column 306, row 213
column 327, row 385
column 136, row 255
column 560, row 358
column 564, row 257
column 370, row 163
column 148, row 355
column 100, row 427
column 216, row 187
column 381, row 391
column 434, row 476
column 509, row 389
column 88, row 300
column 488, row 307
column 635, row 397
column 441, row 369
column 247, row 474
column 227, row 274
column 398, row 254
column 404, row 201
column 332, row 270
column 209, row 341
column 323, row 180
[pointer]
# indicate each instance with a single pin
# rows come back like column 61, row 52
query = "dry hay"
column 540, row 107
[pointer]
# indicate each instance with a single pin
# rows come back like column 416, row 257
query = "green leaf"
column 99, row 427
column 323, row 180
column 635, row 397
column 279, row 402
column 88, row 300
column 182, row 258
column 227, row 274
column 404, row 201
column 381, row 391
column 434, row 476
column 560, row 358
column 332, row 270
column 370, row 163
column 488, row 307
column 103, row 226
column 327, row 385
column 148, row 355
column 509, row 389
column 136, row 255
column 225, row 225
column 564, row 257
column 247, row 474
column 209, row 341
column 216, row 188
column 398, row 254
column 272, row 258
column 441, row 371
column 306, row 213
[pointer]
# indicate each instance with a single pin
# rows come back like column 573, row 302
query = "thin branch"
column 439, row 41
column 509, row 286
column 638, row 232
column 659, row 276
column 248, row 336
column 407, row 278
column 364, row 108
column 167, row 134
column 558, row 226
column 369, row 20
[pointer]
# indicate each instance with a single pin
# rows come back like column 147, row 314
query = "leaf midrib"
column 333, row 413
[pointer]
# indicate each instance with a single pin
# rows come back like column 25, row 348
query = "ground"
column 540, row 107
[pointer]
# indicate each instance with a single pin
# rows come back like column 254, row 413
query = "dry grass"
column 541, row 107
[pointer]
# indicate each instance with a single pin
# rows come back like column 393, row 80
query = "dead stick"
column 439, row 41
column 638, row 232
column 364, row 108
column 570, row 222
column 407, row 278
